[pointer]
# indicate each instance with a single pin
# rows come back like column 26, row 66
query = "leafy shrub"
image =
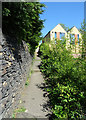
column 66, row 78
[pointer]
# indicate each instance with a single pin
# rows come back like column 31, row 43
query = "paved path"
column 34, row 97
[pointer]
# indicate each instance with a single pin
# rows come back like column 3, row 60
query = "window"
column 78, row 39
column 62, row 36
column 72, row 38
column 55, row 37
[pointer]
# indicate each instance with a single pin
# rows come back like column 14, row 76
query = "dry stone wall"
column 15, row 63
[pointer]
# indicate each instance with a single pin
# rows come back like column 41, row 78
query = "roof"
column 72, row 27
column 56, row 25
column 52, row 29
column 46, row 34
column 62, row 27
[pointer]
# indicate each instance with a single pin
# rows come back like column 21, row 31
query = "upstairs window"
column 78, row 39
column 62, row 36
column 55, row 37
column 72, row 38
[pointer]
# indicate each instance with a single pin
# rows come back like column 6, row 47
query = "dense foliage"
column 66, row 80
column 83, row 31
column 22, row 21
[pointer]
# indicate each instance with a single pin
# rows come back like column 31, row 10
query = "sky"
column 85, row 11
column 68, row 13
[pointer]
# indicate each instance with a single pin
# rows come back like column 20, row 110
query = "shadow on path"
column 35, row 97
column 46, row 106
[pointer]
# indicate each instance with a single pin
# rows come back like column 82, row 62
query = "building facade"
column 73, row 37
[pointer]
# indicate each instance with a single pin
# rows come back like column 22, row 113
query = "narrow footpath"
column 34, row 98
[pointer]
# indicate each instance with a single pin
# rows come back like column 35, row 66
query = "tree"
column 83, row 32
column 22, row 21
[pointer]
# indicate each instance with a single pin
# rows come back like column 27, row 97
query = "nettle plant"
column 66, row 78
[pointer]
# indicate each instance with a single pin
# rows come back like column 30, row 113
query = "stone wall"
column 15, row 63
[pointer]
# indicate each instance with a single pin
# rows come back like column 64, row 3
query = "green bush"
column 66, row 79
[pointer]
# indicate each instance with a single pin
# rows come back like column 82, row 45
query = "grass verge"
column 19, row 110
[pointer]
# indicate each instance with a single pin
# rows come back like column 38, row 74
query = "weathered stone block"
column 0, row 62
column 0, row 93
column 3, row 104
column 4, row 84
column 0, row 83
column 1, row 55
column 1, row 49
column 0, row 109
column 0, row 73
